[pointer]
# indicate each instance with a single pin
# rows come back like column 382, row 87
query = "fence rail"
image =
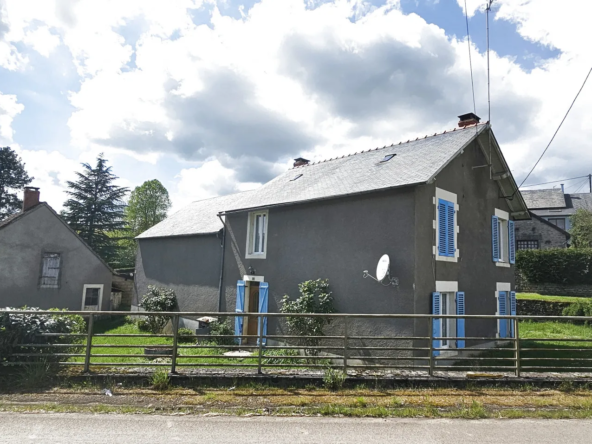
column 345, row 346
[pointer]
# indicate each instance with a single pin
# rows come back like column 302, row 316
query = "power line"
column 470, row 60
column 553, row 181
column 585, row 182
column 558, row 128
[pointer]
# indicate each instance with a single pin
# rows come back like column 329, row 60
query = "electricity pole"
column 590, row 182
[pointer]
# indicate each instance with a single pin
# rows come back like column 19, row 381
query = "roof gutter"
column 221, row 263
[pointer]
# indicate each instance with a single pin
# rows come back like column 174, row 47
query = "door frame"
column 248, row 280
column 100, row 287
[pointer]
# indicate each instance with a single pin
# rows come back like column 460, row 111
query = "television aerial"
column 383, row 275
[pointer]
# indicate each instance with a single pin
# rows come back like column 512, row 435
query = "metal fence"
column 345, row 346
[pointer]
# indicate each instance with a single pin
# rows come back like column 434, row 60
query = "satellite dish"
column 382, row 268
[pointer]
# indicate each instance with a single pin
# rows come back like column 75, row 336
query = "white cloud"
column 9, row 108
column 42, row 40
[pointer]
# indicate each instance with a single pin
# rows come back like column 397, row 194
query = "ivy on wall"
column 565, row 266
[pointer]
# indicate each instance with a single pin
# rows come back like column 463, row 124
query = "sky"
column 217, row 96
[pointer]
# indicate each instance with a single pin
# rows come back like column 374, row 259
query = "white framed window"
column 503, row 239
column 257, row 235
column 446, row 226
column 92, row 296
column 50, row 270
column 448, row 325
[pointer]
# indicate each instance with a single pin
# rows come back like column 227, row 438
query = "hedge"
column 564, row 266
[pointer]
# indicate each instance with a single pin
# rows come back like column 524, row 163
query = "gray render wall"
column 188, row 264
column 547, row 236
column 335, row 239
column 22, row 244
column 476, row 273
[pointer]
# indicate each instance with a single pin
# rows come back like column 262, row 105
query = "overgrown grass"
column 540, row 297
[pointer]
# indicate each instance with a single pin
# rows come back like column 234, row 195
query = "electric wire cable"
column 553, row 181
column 557, row 130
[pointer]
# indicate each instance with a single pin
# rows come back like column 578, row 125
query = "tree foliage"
column 158, row 299
column 569, row 266
column 315, row 297
column 96, row 208
column 13, row 178
column 147, row 206
column 581, row 229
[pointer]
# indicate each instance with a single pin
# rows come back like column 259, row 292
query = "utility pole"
column 590, row 182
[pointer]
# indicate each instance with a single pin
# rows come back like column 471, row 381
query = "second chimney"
column 30, row 197
column 468, row 119
column 300, row 161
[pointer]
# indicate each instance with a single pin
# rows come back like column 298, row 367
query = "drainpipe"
column 221, row 263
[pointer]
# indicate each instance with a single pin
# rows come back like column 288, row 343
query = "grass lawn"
column 567, row 356
column 129, row 346
column 540, row 297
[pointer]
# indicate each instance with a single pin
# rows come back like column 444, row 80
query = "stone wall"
column 537, row 230
column 584, row 291
column 540, row 308
column 125, row 284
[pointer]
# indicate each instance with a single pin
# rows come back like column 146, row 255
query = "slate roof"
column 581, row 200
column 200, row 217
column 415, row 161
column 549, row 198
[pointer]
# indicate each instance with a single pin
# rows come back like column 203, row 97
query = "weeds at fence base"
column 334, row 379
column 160, row 380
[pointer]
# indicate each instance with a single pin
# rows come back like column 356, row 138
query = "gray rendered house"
column 432, row 204
column 44, row 263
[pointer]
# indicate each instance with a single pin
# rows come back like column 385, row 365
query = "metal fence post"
column 345, row 344
column 517, row 345
column 88, row 343
column 431, row 342
column 175, row 339
column 260, row 339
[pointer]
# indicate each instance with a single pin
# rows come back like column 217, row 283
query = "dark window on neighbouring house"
column 91, row 297
column 559, row 222
column 527, row 245
column 50, row 270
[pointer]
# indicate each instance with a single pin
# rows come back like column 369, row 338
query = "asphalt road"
column 134, row 429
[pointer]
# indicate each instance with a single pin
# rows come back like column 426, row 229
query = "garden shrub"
column 221, row 327
column 158, row 299
column 185, row 336
column 563, row 266
column 16, row 329
column 580, row 308
column 315, row 297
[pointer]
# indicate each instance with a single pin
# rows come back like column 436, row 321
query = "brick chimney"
column 300, row 161
column 468, row 119
column 30, row 197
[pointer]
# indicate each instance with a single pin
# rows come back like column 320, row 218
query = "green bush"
column 185, row 336
column 580, row 308
column 143, row 325
column 221, row 327
column 17, row 329
column 315, row 297
column 565, row 266
column 158, row 299
column 333, row 379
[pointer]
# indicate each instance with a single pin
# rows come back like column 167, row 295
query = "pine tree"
column 96, row 207
column 13, row 178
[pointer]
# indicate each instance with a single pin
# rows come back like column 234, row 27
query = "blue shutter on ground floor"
column 436, row 309
column 502, row 311
column 460, row 323
column 512, row 310
column 495, row 238
column 240, row 308
column 263, row 298
column 511, row 242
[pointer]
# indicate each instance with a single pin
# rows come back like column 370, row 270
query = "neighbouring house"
column 550, row 224
column 44, row 263
column 441, row 206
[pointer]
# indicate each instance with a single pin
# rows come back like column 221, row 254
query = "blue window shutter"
column 442, row 238
column 512, row 310
column 495, row 238
column 502, row 310
column 511, row 242
column 263, row 298
column 240, row 308
column 460, row 323
column 450, row 228
column 436, row 309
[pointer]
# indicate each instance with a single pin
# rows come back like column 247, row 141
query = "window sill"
column 447, row 258
column 503, row 264
column 256, row 256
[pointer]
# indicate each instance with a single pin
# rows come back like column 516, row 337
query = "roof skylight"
column 387, row 158
column 296, row 178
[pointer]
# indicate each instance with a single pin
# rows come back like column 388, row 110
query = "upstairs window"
column 503, row 239
column 446, row 216
column 50, row 271
column 558, row 222
column 257, row 235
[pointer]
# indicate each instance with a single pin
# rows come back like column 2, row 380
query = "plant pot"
column 158, row 351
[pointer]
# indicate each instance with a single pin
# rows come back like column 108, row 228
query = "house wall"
column 190, row 265
column 22, row 244
column 547, row 236
column 335, row 239
column 476, row 273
